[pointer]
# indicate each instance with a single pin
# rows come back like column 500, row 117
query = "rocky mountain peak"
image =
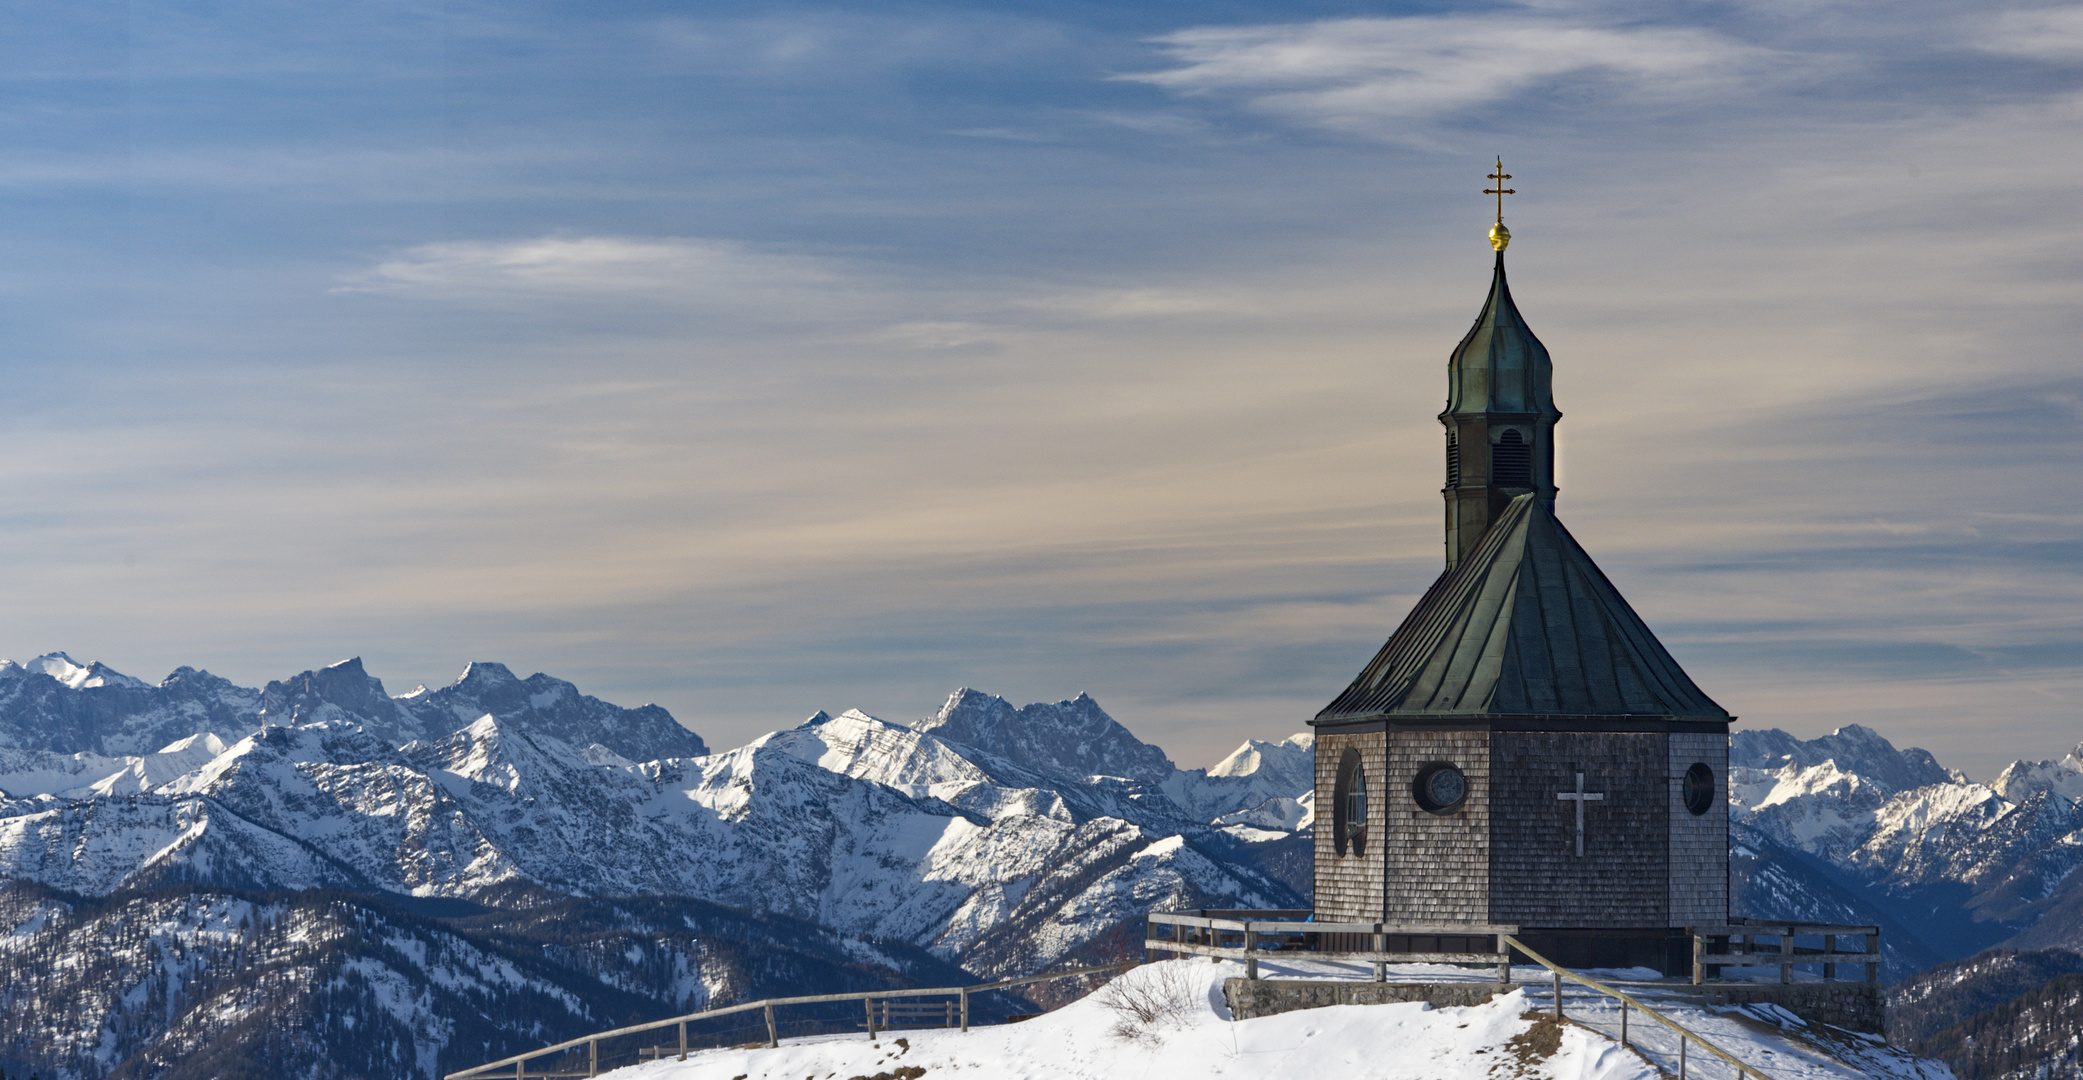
column 482, row 675
column 342, row 691
column 542, row 704
column 1070, row 739
column 1855, row 750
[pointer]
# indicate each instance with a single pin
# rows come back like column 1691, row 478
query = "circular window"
column 1440, row 788
column 1699, row 789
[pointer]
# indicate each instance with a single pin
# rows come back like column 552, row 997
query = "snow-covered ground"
column 1099, row 1037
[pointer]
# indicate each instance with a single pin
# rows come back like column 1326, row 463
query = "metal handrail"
column 768, row 1004
column 1626, row 1000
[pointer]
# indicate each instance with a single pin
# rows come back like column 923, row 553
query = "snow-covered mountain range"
column 1003, row 856
column 1960, row 865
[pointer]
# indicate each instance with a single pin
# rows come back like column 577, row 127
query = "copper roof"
column 1527, row 625
column 1499, row 366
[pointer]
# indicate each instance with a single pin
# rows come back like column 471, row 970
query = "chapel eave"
column 1527, row 628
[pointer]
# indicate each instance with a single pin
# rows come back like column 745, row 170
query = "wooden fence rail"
column 1203, row 933
column 1737, row 945
column 869, row 998
column 1627, row 1001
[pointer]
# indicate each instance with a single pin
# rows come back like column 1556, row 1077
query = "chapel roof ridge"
column 1526, row 626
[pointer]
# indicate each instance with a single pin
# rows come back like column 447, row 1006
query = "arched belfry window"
column 1349, row 805
column 1511, row 460
column 1453, row 458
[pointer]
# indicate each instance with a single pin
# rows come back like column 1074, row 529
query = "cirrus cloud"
column 678, row 268
column 1359, row 72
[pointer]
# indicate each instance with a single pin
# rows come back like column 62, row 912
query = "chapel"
column 1523, row 750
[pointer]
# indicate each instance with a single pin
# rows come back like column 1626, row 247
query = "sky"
column 761, row 358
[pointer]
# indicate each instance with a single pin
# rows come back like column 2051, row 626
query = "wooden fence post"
column 1251, row 954
column 965, row 1008
column 1873, row 946
column 1786, row 949
column 1829, row 947
column 773, row 1038
column 1504, row 964
column 593, row 1057
column 870, row 1003
column 1558, row 995
column 1623, row 1024
column 1699, row 970
column 1681, row 1057
column 683, row 1040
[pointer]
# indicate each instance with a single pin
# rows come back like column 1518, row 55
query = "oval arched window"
column 1699, row 789
column 1440, row 788
column 1349, row 805
column 1511, row 460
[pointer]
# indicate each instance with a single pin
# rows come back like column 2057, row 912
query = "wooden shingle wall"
column 1348, row 887
column 1699, row 844
column 1438, row 866
column 1536, row 877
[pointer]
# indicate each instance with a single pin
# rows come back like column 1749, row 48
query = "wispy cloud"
column 2054, row 33
column 1356, row 73
column 675, row 268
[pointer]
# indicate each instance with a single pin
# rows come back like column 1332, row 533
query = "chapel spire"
column 1500, row 415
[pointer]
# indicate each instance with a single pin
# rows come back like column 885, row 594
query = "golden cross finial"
column 1499, row 235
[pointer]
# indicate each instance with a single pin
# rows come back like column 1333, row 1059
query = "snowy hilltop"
column 1169, row 1019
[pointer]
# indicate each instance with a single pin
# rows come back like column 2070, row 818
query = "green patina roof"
column 1527, row 625
column 1499, row 365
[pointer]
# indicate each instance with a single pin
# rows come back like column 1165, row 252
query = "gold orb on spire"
column 1499, row 235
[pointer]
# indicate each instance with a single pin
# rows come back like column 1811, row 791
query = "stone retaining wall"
column 1852, row 1006
column 1267, row 997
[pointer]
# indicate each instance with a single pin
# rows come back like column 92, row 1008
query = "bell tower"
column 1500, row 415
column 1522, row 751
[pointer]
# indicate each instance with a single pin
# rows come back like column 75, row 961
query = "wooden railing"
column 868, row 998
column 1252, row 935
column 1685, row 1034
column 1205, row 933
column 1737, row 945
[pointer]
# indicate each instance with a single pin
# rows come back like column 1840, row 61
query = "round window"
column 1440, row 788
column 1699, row 789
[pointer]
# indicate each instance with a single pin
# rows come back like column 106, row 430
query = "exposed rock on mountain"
column 1069, row 740
column 851, row 822
column 548, row 706
column 1963, row 865
column 1254, row 775
column 57, row 705
column 1852, row 749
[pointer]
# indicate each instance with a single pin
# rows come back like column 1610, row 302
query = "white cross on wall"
column 1580, row 797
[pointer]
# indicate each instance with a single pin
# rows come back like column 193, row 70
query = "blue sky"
column 759, row 358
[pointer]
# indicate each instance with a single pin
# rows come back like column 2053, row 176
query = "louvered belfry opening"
column 1511, row 461
column 1453, row 458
